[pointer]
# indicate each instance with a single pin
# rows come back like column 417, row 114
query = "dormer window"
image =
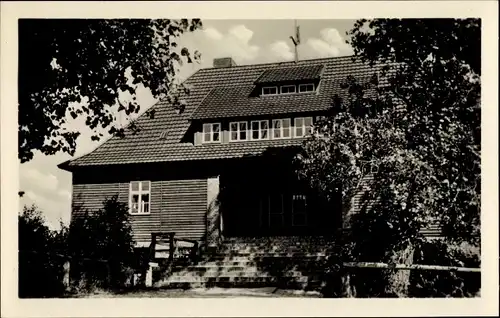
column 270, row 90
column 304, row 88
column 288, row 89
column 211, row 133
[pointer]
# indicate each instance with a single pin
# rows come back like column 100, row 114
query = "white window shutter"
column 198, row 138
column 225, row 136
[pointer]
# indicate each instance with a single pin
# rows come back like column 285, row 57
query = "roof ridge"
column 278, row 63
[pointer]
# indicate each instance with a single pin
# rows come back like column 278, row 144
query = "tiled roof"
column 216, row 85
column 297, row 73
column 235, row 101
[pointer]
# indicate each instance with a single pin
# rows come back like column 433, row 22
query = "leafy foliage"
column 101, row 246
column 407, row 139
column 446, row 284
column 40, row 273
column 80, row 68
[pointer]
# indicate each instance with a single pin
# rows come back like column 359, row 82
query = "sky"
column 246, row 41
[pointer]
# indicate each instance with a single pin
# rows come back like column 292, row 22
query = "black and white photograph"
column 192, row 157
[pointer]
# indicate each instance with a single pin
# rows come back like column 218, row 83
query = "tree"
column 63, row 63
column 413, row 129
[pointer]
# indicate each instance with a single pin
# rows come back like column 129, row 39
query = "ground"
column 206, row 293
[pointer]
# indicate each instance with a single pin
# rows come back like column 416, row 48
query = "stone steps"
column 241, row 264
column 305, row 286
column 236, row 271
column 247, row 278
column 259, row 255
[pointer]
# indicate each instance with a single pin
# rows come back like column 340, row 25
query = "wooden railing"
column 410, row 267
column 173, row 244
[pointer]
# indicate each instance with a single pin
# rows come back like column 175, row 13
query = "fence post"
column 347, row 288
column 171, row 248
column 399, row 281
column 66, row 282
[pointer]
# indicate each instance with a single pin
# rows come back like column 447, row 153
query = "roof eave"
column 65, row 166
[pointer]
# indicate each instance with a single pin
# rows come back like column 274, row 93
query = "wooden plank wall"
column 183, row 207
column 177, row 205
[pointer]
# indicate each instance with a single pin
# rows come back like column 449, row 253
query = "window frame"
column 305, row 213
column 281, row 129
column 272, row 213
column 306, row 85
column 211, row 141
column 139, row 192
column 260, row 129
column 238, row 131
column 275, row 87
column 288, row 93
column 303, row 126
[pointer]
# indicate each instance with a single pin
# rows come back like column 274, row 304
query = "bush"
column 101, row 247
column 445, row 283
column 40, row 264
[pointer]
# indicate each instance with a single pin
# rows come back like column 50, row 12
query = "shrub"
column 40, row 264
column 446, row 283
column 101, row 247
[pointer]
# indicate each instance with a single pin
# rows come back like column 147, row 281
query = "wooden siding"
column 178, row 206
column 183, row 207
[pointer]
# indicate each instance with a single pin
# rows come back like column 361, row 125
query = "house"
column 220, row 171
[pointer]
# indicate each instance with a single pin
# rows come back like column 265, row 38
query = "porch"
column 265, row 199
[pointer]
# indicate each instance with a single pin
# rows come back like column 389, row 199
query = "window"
column 276, row 211
column 299, row 210
column 211, row 133
column 272, row 211
column 303, row 126
column 270, row 90
column 288, row 89
column 260, row 130
column 303, row 88
column 140, row 197
column 238, row 131
column 281, row 128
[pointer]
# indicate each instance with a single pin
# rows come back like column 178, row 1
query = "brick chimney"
column 224, row 62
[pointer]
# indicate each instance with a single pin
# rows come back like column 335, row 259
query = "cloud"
column 53, row 210
column 39, row 179
column 322, row 48
column 241, row 33
column 282, row 50
column 236, row 43
column 213, row 33
column 332, row 36
column 64, row 194
column 330, row 44
column 32, row 196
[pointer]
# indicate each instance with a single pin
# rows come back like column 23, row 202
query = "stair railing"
column 173, row 242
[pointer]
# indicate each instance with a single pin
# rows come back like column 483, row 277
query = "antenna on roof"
column 296, row 40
